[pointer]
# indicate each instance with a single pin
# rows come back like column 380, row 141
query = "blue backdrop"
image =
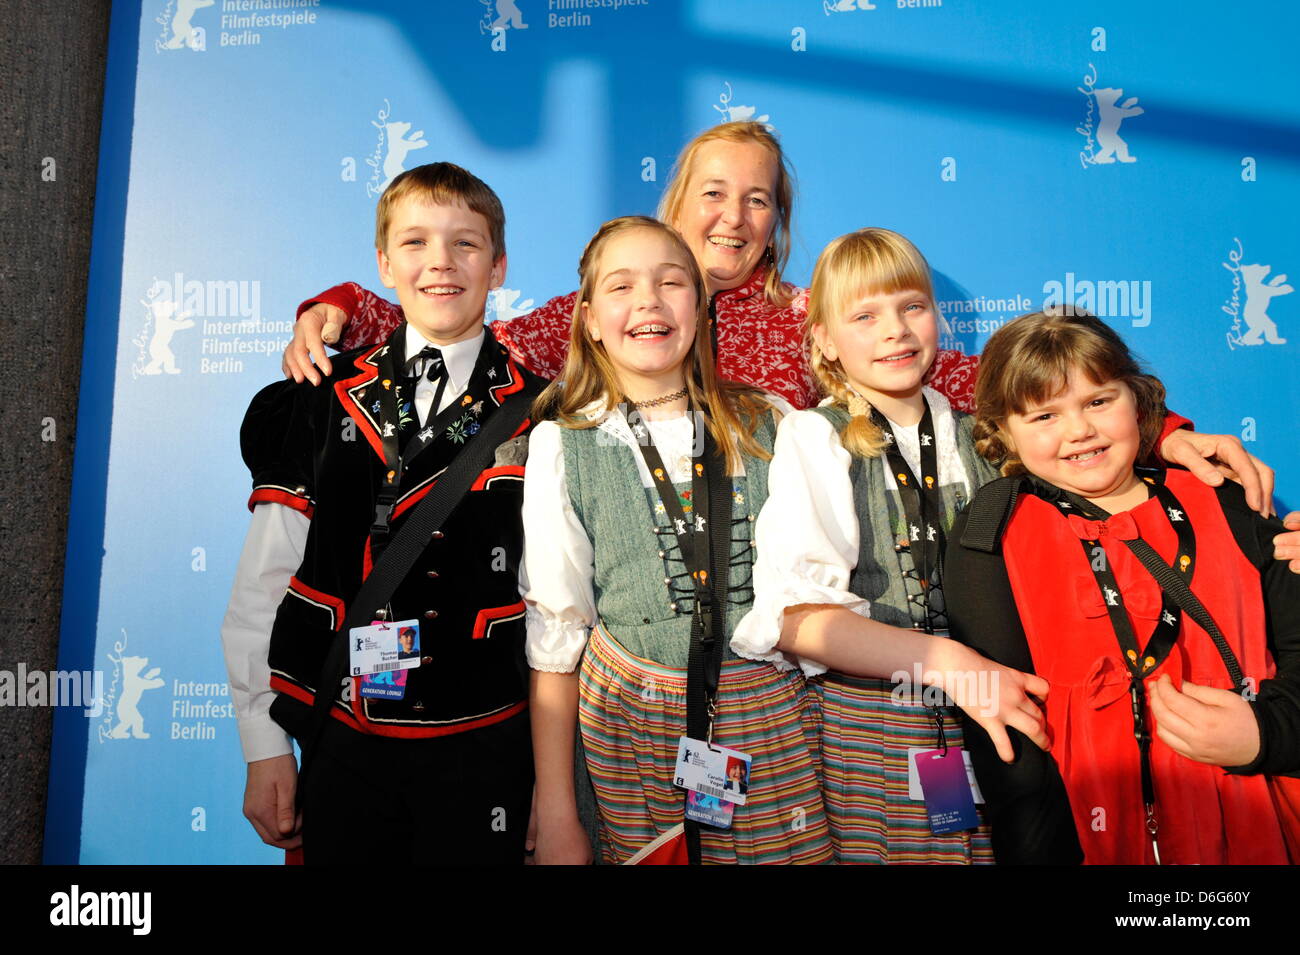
column 1135, row 158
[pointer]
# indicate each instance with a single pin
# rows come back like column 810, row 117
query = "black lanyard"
column 1140, row 660
column 922, row 501
column 705, row 542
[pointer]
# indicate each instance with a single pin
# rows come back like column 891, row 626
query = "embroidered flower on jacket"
column 458, row 430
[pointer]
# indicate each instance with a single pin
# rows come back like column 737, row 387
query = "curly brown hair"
column 1030, row 359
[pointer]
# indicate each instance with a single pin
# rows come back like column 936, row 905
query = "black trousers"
column 462, row 799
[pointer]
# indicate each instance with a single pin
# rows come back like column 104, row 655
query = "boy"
column 447, row 768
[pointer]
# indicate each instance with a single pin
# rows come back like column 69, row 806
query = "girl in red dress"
column 1161, row 730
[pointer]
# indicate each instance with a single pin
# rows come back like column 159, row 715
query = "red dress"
column 1206, row 815
column 758, row 343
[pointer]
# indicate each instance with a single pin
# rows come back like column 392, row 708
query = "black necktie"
column 435, row 369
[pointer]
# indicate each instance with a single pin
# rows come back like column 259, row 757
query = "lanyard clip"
column 1136, row 695
column 704, row 607
column 380, row 526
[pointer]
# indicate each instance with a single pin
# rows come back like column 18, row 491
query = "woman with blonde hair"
column 731, row 197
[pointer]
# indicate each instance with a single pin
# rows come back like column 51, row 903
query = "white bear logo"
column 504, row 304
column 166, row 323
column 1112, row 146
column 737, row 114
column 1258, row 295
column 182, row 30
column 129, row 721
column 508, row 15
column 398, row 147
column 844, row 6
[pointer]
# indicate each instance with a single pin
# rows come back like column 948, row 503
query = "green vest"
column 884, row 558
column 644, row 595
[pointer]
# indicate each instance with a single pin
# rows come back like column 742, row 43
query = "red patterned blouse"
column 758, row 343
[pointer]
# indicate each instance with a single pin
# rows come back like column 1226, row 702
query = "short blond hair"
column 1029, row 359
column 670, row 204
column 731, row 409
column 866, row 262
column 443, row 183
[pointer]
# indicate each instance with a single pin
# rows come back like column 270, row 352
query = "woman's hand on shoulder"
column 317, row 326
column 1287, row 546
column 1205, row 724
column 1212, row 457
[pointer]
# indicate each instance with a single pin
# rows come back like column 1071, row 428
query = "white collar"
column 940, row 410
column 459, row 358
column 939, row 405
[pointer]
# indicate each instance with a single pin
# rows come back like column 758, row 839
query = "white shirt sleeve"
column 273, row 551
column 558, row 566
column 807, row 536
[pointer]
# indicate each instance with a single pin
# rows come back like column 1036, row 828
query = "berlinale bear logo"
column 1251, row 324
column 178, row 31
column 1103, row 144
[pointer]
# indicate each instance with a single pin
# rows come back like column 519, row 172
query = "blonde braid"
column 861, row 436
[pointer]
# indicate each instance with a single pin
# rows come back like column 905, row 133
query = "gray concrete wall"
column 52, row 58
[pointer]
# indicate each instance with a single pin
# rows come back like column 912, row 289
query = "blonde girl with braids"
column 862, row 489
column 610, row 599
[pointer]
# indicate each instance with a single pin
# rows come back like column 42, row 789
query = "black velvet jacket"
column 318, row 450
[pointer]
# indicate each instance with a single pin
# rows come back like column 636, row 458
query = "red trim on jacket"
column 427, row 732
column 320, row 596
column 490, row 614
column 487, row 474
column 281, row 685
column 501, row 392
column 269, row 495
column 367, row 373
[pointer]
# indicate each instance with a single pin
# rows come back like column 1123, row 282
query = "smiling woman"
column 732, row 198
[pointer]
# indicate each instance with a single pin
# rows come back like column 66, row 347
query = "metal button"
column 668, row 580
column 381, row 614
column 425, row 661
column 438, row 535
column 661, row 553
column 433, row 573
column 430, row 614
column 673, row 607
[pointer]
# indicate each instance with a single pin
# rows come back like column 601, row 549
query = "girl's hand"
column 998, row 697
column 562, row 841
column 1202, row 723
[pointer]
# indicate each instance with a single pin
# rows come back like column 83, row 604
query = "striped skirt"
column 632, row 713
column 865, row 736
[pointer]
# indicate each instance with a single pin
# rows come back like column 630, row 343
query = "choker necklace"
column 661, row 400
